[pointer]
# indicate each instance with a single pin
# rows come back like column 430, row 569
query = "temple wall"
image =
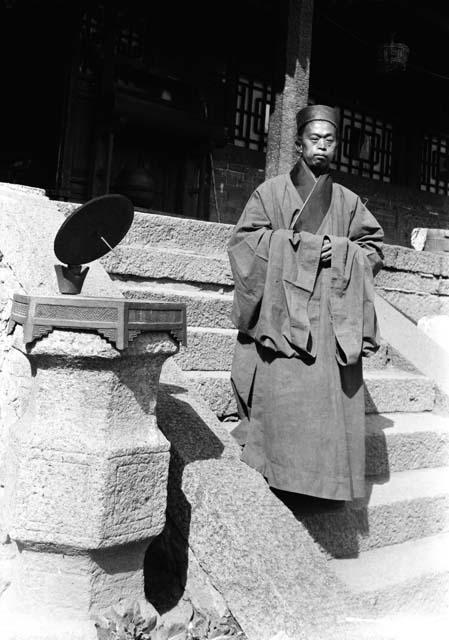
column 399, row 209
column 237, row 172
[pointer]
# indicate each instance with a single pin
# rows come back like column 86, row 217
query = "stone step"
column 389, row 390
column 410, row 505
column 205, row 308
column 207, row 349
column 407, row 578
column 401, row 442
column 405, row 441
column 173, row 264
column 212, row 349
column 386, row 391
column 149, row 230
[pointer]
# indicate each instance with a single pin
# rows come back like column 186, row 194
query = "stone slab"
column 386, row 391
column 390, row 389
column 403, row 259
column 256, row 554
column 414, row 305
column 408, row 281
column 408, row 578
column 208, row 349
column 403, row 335
column 407, row 506
column 176, row 265
column 212, row 349
column 163, row 231
column 405, row 441
column 29, row 223
column 204, row 308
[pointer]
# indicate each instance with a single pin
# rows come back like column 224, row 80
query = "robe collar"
column 309, row 198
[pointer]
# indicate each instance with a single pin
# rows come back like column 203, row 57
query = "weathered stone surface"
column 256, row 554
column 162, row 231
column 385, row 391
column 409, row 341
column 208, row 349
column 15, row 388
column 88, row 394
column 411, row 504
column 408, row 281
column 405, row 441
column 443, row 286
column 15, row 373
column 204, row 308
column 132, row 260
column 29, row 222
column 389, row 390
column 378, row 360
column 445, row 266
column 409, row 578
column 414, row 305
column 211, row 349
column 54, row 595
column 86, row 481
column 403, row 259
column 215, row 388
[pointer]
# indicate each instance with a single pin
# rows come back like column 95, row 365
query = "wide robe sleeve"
column 274, row 273
column 366, row 232
column 355, row 262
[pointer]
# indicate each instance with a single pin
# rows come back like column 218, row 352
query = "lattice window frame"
column 435, row 153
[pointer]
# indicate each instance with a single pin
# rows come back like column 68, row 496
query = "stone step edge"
column 382, row 567
column 167, row 289
column 405, row 423
column 406, row 391
column 388, row 373
column 405, row 486
column 407, row 506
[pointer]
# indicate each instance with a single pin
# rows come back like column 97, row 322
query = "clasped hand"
column 326, row 251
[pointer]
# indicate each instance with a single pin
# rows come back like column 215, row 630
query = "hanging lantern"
column 392, row 56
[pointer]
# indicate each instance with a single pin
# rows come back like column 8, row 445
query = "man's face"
column 317, row 144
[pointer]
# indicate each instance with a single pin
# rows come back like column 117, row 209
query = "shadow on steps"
column 337, row 526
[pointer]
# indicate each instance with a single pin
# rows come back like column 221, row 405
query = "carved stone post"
column 293, row 90
column 86, row 480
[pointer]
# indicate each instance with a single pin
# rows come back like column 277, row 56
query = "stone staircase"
column 390, row 547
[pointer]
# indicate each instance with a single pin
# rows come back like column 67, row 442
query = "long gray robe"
column 297, row 370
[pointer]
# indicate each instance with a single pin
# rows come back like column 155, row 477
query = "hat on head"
column 316, row 112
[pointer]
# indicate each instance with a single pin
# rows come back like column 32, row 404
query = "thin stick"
column 107, row 243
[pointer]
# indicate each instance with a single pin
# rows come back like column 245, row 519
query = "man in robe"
column 303, row 256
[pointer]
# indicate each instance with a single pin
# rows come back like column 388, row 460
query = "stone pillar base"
column 54, row 595
column 85, row 483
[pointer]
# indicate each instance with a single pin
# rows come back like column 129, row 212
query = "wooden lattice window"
column 365, row 146
column 435, row 164
column 252, row 113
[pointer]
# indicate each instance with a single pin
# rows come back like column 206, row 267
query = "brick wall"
column 399, row 209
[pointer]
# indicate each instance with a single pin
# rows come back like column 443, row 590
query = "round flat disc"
column 93, row 229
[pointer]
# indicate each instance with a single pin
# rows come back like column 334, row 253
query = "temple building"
column 187, row 108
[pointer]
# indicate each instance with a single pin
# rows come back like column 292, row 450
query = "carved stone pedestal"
column 86, row 479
